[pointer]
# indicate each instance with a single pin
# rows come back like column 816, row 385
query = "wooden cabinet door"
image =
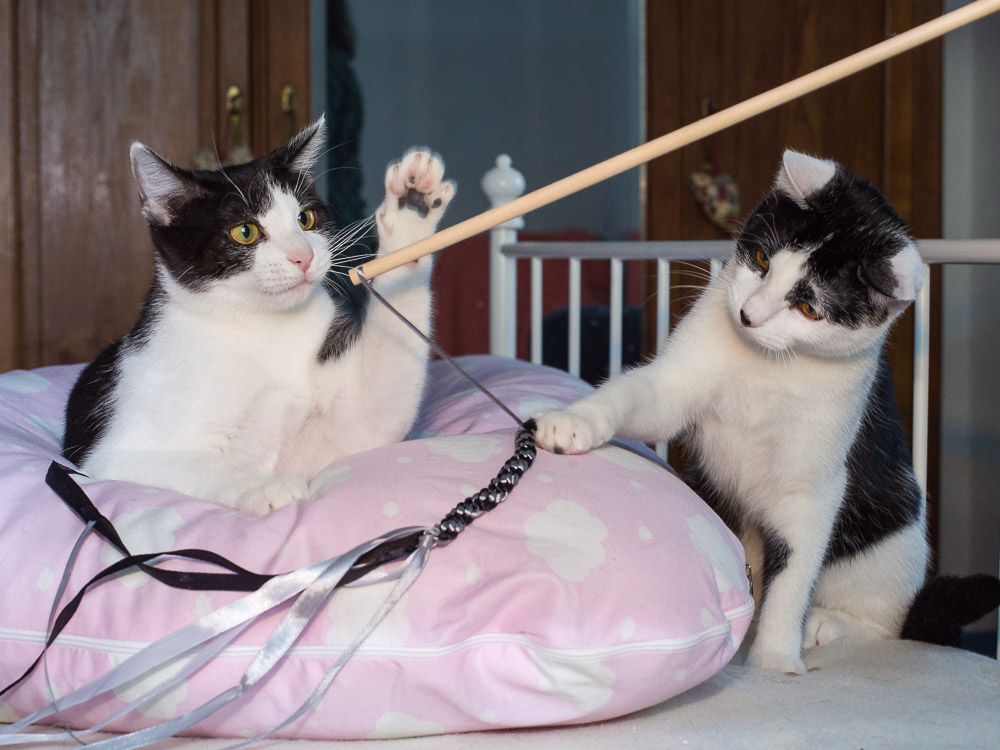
column 89, row 78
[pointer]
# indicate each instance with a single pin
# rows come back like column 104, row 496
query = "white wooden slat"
column 662, row 302
column 536, row 310
column 921, row 380
column 617, row 304
column 574, row 316
column 503, row 294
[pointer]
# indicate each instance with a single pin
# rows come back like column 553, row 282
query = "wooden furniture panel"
column 10, row 304
column 122, row 75
column 89, row 78
column 281, row 31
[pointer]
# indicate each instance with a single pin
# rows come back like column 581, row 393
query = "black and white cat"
column 778, row 378
column 246, row 374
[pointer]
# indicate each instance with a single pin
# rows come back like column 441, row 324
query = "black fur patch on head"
column 851, row 233
column 196, row 248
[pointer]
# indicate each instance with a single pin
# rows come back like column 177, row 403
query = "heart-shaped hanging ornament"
column 716, row 193
column 719, row 197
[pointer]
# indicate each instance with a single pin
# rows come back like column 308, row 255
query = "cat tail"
column 946, row 604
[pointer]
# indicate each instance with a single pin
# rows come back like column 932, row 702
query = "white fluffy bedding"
column 876, row 694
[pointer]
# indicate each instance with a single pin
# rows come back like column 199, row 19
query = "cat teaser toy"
column 311, row 587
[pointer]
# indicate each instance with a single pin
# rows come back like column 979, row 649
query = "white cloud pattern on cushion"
column 624, row 458
column 145, row 530
column 588, row 685
column 395, row 724
column 473, row 574
column 24, row 382
column 529, row 406
column 46, row 578
column 728, row 570
column 471, row 449
column 353, row 607
column 627, row 628
column 53, row 428
column 162, row 706
column 328, row 478
column 568, row 538
column 202, row 605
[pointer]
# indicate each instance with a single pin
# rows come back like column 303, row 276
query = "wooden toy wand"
column 681, row 137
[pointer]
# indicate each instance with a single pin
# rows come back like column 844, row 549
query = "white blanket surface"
column 874, row 694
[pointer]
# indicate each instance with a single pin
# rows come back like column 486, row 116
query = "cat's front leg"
column 389, row 364
column 796, row 531
column 416, row 196
column 650, row 403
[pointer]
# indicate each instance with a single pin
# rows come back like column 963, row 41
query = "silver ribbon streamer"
column 201, row 640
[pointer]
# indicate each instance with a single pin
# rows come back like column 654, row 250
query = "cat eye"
column 762, row 260
column 307, row 219
column 245, row 234
column 809, row 311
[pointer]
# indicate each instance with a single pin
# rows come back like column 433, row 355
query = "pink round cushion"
column 601, row 586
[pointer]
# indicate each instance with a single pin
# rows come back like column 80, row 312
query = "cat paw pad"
column 416, row 195
column 564, row 432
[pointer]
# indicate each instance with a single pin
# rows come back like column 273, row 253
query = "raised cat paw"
column 416, row 195
column 567, row 432
column 273, row 494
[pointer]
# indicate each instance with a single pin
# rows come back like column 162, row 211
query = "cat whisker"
column 351, row 233
column 331, row 170
column 347, row 238
column 345, row 245
column 313, row 178
column 367, row 222
column 331, row 149
column 308, row 174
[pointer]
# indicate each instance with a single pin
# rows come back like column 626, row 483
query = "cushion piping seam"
column 110, row 646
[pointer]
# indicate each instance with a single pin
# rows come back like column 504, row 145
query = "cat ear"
column 899, row 284
column 910, row 272
column 303, row 150
column 800, row 176
column 162, row 187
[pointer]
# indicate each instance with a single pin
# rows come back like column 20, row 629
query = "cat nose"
column 745, row 319
column 302, row 257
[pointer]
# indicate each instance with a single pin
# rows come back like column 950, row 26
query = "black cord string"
column 437, row 349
